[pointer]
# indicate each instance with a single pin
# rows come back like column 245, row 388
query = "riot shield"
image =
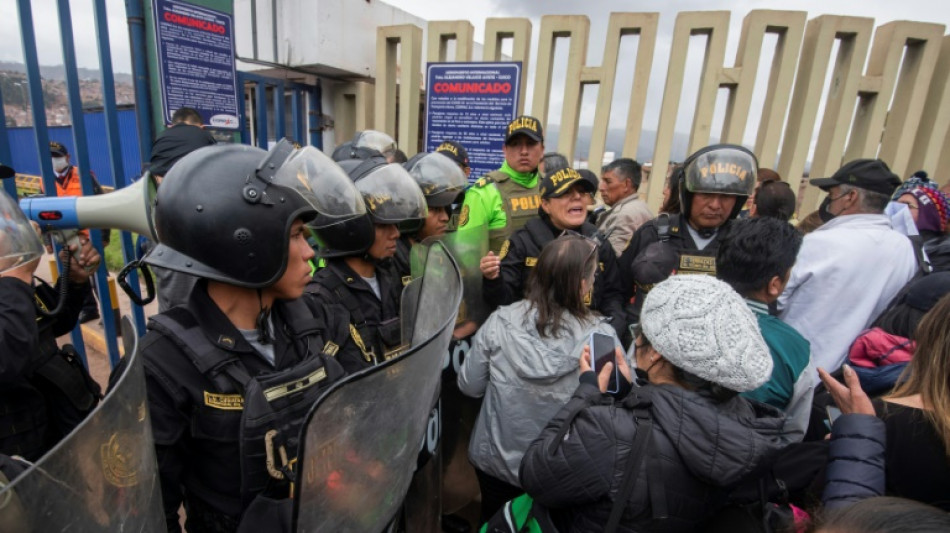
column 457, row 411
column 360, row 442
column 102, row 477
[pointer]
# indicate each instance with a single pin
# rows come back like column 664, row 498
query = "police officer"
column 714, row 183
column 443, row 184
column 34, row 410
column 505, row 199
column 224, row 372
column 357, row 294
column 366, row 144
column 564, row 198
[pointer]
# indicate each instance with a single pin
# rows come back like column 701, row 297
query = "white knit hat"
column 703, row 326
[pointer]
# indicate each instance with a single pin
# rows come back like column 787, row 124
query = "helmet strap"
column 263, row 321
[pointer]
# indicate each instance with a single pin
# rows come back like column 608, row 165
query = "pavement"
column 93, row 334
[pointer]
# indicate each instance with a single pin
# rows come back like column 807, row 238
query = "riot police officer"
column 36, row 376
column 357, row 293
column 714, row 183
column 231, row 374
column 366, row 144
column 443, row 184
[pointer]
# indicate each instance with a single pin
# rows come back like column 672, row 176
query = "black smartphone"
column 601, row 352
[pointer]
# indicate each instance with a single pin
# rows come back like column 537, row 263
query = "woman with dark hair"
column 524, row 361
column 672, row 450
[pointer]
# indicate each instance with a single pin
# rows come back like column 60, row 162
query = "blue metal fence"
column 25, row 161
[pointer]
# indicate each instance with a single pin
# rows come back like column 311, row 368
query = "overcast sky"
column 476, row 11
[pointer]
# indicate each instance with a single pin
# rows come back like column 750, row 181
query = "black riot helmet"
column 224, row 212
column 441, row 179
column 366, row 144
column 717, row 169
column 390, row 196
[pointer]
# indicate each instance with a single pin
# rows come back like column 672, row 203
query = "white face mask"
column 59, row 164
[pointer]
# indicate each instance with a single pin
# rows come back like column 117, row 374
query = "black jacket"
column 636, row 280
column 196, row 419
column 523, row 249
column 339, row 298
column 175, row 143
column 27, row 339
column 699, row 451
column 855, row 460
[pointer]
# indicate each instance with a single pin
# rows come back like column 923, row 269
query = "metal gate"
column 80, row 144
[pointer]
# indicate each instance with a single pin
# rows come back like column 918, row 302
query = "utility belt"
column 273, row 405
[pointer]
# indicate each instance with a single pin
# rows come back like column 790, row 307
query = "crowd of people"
column 739, row 333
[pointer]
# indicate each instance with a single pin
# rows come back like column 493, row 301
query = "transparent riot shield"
column 457, row 412
column 360, row 443
column 102, row 477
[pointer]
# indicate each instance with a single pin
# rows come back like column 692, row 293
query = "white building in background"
column 330, row 42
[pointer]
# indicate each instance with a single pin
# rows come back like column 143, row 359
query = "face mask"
column 59, row 164
column 823, row 213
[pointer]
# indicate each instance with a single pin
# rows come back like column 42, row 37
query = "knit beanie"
column 933, row 207
column 701, row 325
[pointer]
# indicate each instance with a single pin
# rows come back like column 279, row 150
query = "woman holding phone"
column 524, row 362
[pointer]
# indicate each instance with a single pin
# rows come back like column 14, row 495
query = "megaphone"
column 127, row 209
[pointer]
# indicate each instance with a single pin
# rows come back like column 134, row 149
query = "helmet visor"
column 376, row 140
column 722, row 171
column 437, row 175
column 323, row 184
column 19, row 243
column 391, row 195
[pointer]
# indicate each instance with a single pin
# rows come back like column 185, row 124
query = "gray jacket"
column 525, row 379
column 622, row 219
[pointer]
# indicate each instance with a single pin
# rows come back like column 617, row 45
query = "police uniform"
column 680, row 255
column 31, row 373
column 504, row 199
column 520, row 254
column 401, row 262
column 204, row 380
column 364, row 328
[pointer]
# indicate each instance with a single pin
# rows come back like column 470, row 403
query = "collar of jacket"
column 525, row 179
column 214, row 323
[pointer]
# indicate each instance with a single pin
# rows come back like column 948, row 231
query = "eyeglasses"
column 840, row 196
column 909, row 205
column 595, row 243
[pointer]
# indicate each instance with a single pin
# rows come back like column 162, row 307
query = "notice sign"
column 472, row 104
column 196, row 61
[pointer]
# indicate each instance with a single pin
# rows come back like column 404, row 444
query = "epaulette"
column 483, row 181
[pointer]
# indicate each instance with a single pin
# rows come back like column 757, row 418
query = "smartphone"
column 832, row 413
column 601, row 352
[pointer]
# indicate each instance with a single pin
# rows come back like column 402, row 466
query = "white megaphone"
column 126, row 209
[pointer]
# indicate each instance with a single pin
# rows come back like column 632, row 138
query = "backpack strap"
column 640, row 402
column 663, row 227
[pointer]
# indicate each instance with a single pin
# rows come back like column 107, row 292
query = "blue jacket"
column 855, row 460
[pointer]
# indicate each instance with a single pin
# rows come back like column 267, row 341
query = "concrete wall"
column 888, row 95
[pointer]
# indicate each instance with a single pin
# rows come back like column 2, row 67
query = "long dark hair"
column 554, row 285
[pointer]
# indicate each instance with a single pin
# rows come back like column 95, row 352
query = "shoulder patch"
column 504, row 249
column 482, row 181
column 463, row 216
column 227, row 402
column 530, row 261
column 331, row 348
